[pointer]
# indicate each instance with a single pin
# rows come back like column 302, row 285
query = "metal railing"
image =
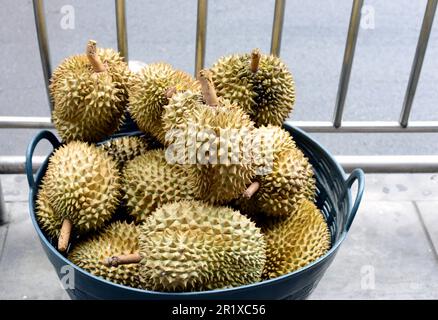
column 350, row 46
column 424, row 163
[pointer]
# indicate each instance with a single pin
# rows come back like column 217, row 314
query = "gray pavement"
column 390, row 251
column 313, row 43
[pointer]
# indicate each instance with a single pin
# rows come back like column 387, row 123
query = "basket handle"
column 45, row 134
column 359, row 176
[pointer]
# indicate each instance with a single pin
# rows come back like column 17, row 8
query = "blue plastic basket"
column 333, row 198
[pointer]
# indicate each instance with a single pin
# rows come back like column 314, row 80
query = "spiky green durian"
column 295, row 241
column 48, row 220
column 83, row 185
column 225, row 132
column 149, row 93
column 192, row 246
column 119, row 238
column 176, row 112
column 290, row 181
column 125, row 148
column 213, row 138
column 268, row 145
column 149, row 181
column 89, row 94
column 284, row 174
column 260, row 84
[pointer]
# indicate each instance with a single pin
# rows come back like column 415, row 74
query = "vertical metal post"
column 122, row 35
column 2, row 206
column 41, row 29
column 277, row 27
column 201, row 35
column 347, row 63
column 417, row 64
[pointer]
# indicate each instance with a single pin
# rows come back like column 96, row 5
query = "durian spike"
column 249, row 192
column 115, row 261
column 94, row 59
column 170, row 92
column 255, row 60
column 64, row 236
column 207, row 87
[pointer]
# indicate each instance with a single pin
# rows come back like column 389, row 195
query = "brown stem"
column 207, row 87
column 94, row 59
column 255, row 60
column 170, row 92
column 249, row 192
column 64, row 236
column 122, row 259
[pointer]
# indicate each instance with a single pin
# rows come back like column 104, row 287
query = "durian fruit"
column 192, row 246
column 125, row 148
column 119, row 238
column 285, row 175
column 295, row 241
column 48, row 220
column 290, row 181
column 89, row 94
column 83, row 188
column 175, row 114
column 211, row 135
column 149, row 181
column 260, row 84
column 268, row 144
column 150, row 90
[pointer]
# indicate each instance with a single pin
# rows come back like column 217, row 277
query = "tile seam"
column 426, row 231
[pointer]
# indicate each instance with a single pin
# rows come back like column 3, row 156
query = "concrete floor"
column 390, row 252
column 313, row 45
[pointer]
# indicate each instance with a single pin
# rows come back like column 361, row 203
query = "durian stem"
column 170, row 92
column 207, row 87
column 94, row 59
column 249, row 192
column 64, row 236
column 122, row 259
column 255, row 60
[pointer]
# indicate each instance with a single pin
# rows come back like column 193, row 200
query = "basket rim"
column 261, row 284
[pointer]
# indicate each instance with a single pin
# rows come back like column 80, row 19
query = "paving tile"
column 386, row 256
column 25, row 271
column 401, row 187
column 429, row 213
column 15, row 187
column 18, row 212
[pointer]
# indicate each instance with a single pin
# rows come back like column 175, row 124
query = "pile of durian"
column 177, row 208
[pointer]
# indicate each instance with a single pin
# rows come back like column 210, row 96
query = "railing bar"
column 309, row 126
column 277, row 27
column 417, row 64
column 370, row 164
column 391, row 164
column 367, row 127
column 350, row 46
column 122, row 35
column 25, row 123
column 17, row 164
column 201, row 35
column 41, row 29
